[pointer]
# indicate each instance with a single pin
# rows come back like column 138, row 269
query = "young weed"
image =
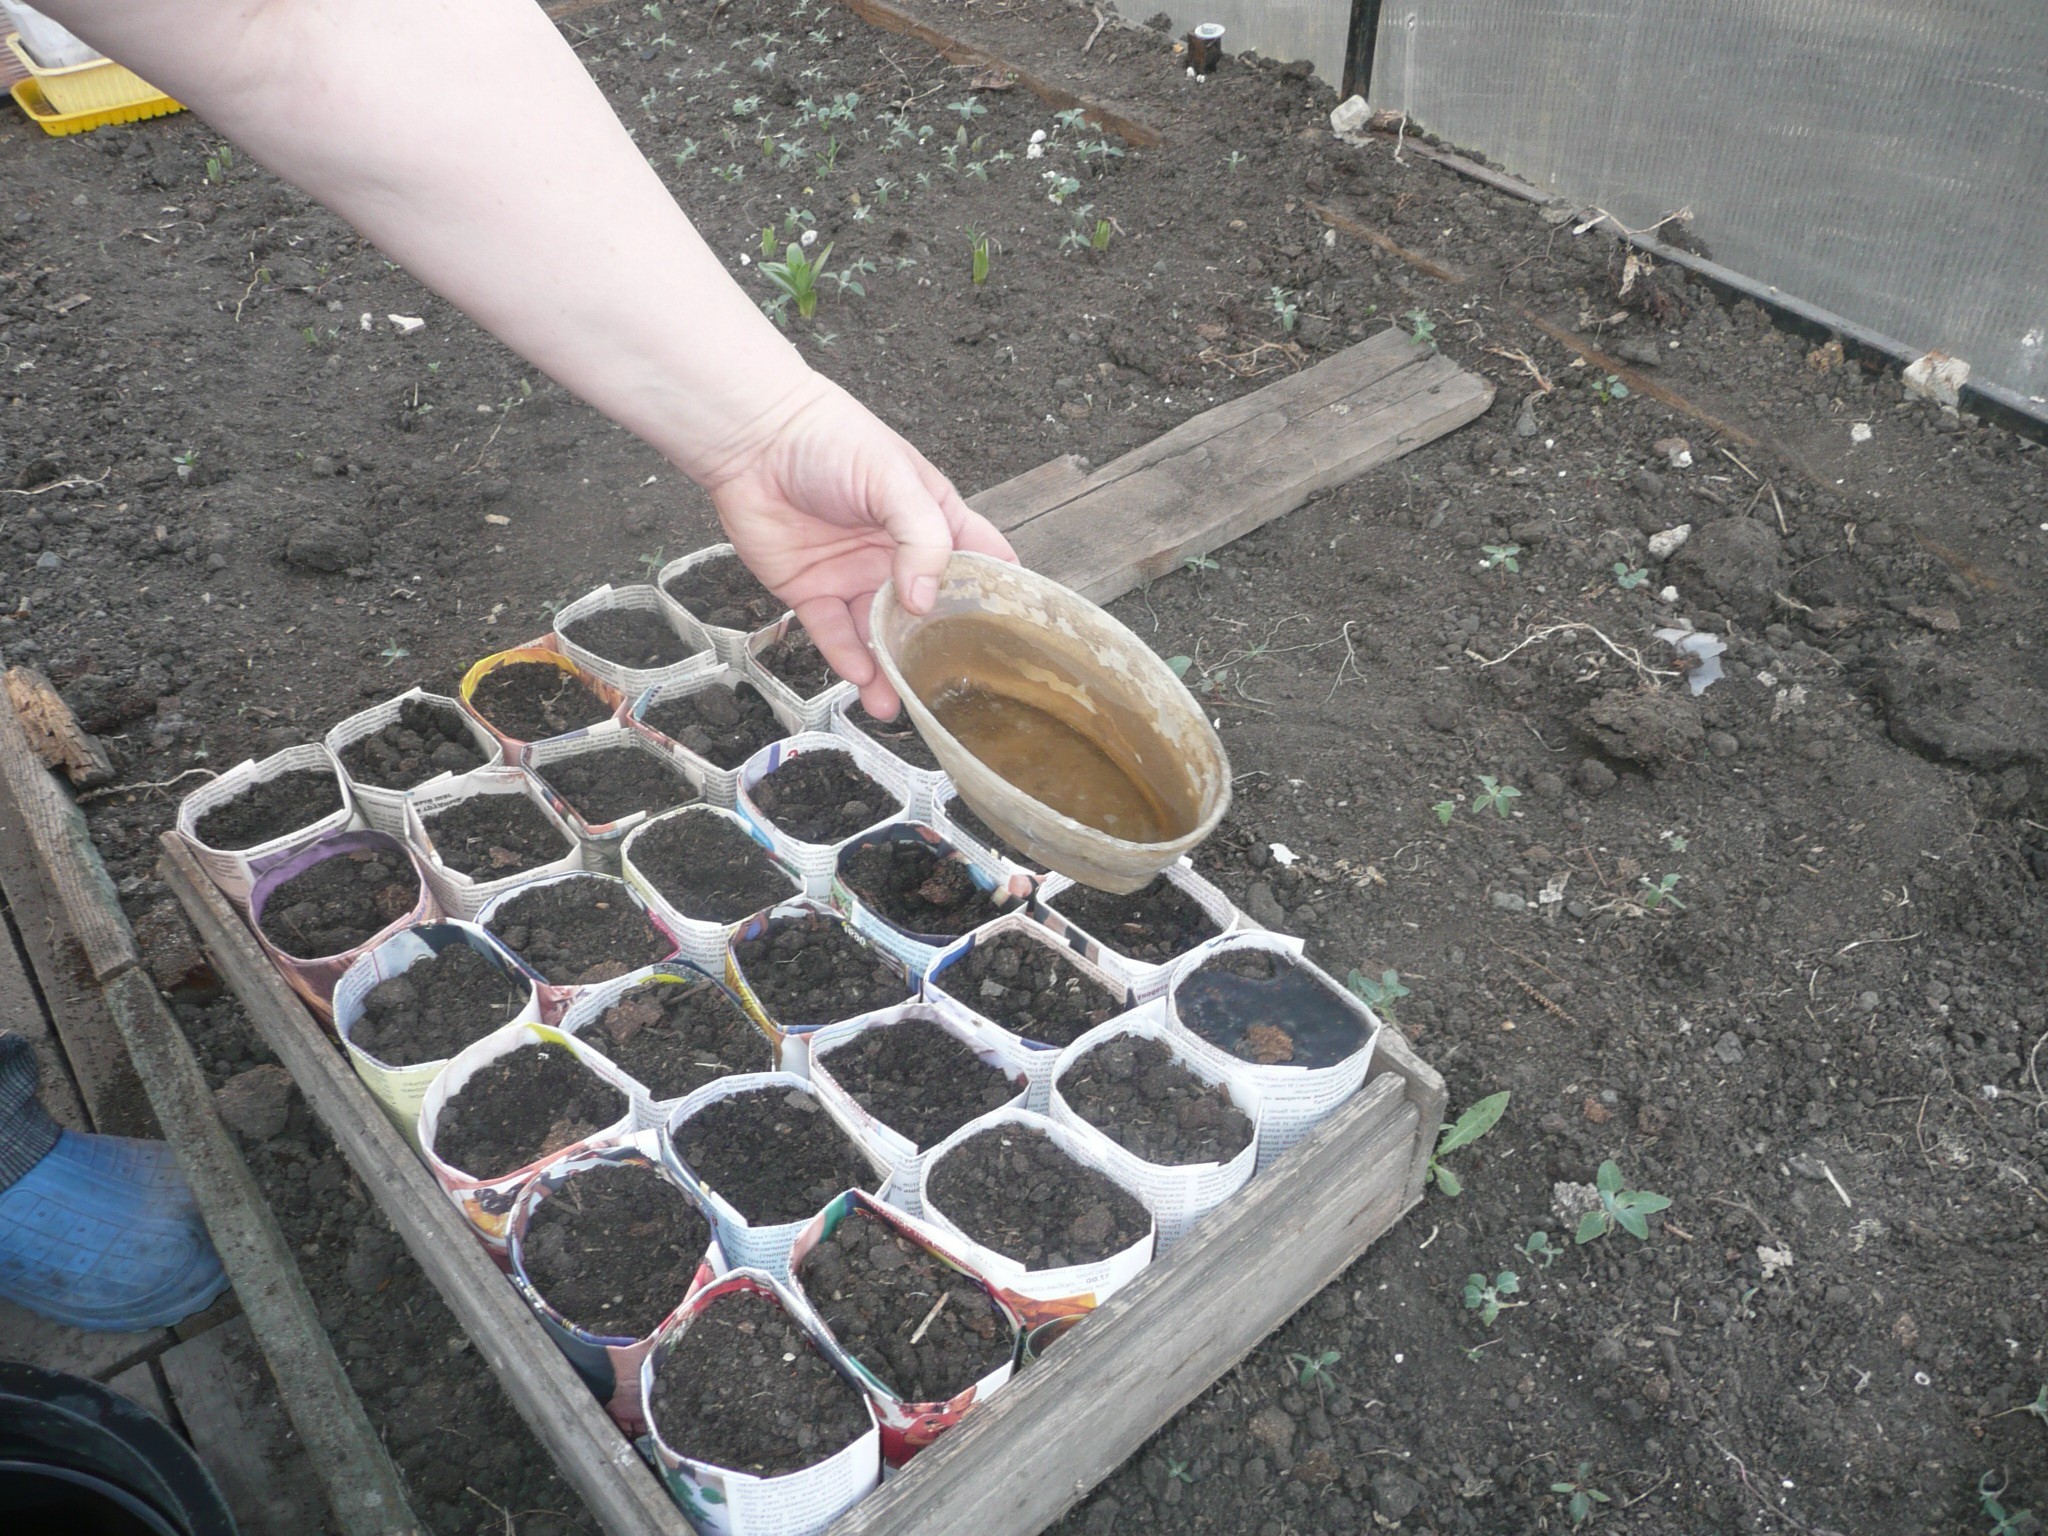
column 218, row 164
column 1657, row 893
column 1477, row 1120
column 1620, row 1207
column 1314, row 1370
column 1494, row 796
column 1537, row 1245
column 979, row 260
column 2004, row 1522
column 1610, row 389
column 1421, row 329
column 1380, row 995
column 393, row 653
column 1583, row 1496
column 1501, row 557
column 1178, row 1470
column 1629, row 577
column 1235, row 161
column 797, row 277
column 1445, row 810
column 1484, row 1296
column 1285, row 307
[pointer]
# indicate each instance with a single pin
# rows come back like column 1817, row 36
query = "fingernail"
column 924, row 591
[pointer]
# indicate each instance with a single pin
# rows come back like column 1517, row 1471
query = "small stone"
column 1440, row 715
column 326, row 547
column 1272, row 1428
column 1509, row 901
column 1666, row 544
column 1648, row 484
column 1546, row 786
column 1723, row 743
column 1943, row 621
column 1525, row 425
column 1263, row 907
column 1593, row 777
column 1395, row 1495
column 49, row 560
column 1729, row 1048
column 256, row 1103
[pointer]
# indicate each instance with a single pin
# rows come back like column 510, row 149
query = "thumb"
column 911, row 515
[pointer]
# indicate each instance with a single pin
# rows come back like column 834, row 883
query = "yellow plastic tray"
column 98, row 85
column 29, row 97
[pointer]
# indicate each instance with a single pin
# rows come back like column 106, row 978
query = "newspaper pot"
column 600, row 840
column 956, row 1004
column 463, row 895
column 816, row 862
column 814, row 711
column 999, row 1049
column 1148, row 978
column 927, row 785
column 540, row 654
column 728, row 643
column 487, row 1202
column 703, row 943
column 721, row 785
column 1041, row 1295
column 592, row 1003
column 640, row 598
column 384, row 809
column 556, row 997
column 746, row 1245
column 608, row 1363
column 719, row 1501
column 1292, row 1099
column 908, row 1427
column 313, row 976
column 1179, row 1194
column 791, row 1036
column 234, row 870
column 915, row 949
column 400, row 1091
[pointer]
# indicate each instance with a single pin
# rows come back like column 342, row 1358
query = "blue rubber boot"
column 99, row 1232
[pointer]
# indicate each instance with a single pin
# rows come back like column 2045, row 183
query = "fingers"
column 977, row 533
column 912, row 514
column 831, row 625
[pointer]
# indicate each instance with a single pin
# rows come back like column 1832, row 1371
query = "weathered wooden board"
column 225, row 1395
column 1229, row 470
column 54, row 731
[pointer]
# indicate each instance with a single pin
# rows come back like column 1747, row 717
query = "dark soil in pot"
column 811, row 970
column 724, row 592
column 796, row 660
column 340, row 902
column 773, row 1155
column 709, row 868
column 531, row 701
column 1031, row 989
column 493, row 837
column 576, row 932
column 1009, row 1188
column 1266, row 1009
column 519, row 1108
column 961, row 814
column 1156, row 923
column 674, row 1037
column 899, row 736
column 916, row 886
column 271, row 809
column 426, row 739
column 743, row 1388
column 724, row 726
column 435, row 1008
column 918, row 1080
column 611, row 782
column 822, row 797
column 874, row 1289
column 1136, row 1094
column 638, row 638
column 613, row 1249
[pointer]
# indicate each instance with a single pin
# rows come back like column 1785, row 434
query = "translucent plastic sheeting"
column 1884, row 159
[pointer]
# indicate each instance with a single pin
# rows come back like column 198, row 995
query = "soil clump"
column 796, row 660
column 340, row 902
column 436, row 1007
column 724, row 726
column 674, row 1037
column 1156, row 923
column 270, row 809
column 919, row 1080
column 638, row 638
column 1136, row 1094
column 426, row 739
column 916, row 886
column 493, row 837
column 1011, row 1189
column 528, row 1103
column 613, row 1249
column 531, row 701
column 723, row 592
column 575, row 932
column 709, row 869
column 613, row 782
column 773, row 1155
column 811, row 970
column 1031, row 989
column 822, row 797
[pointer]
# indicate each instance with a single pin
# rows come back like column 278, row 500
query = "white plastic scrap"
column 1284, row 856
column 406, row 324
column 1349, row 117
column 1936, row 376
column 1774, row 1260
column 1860, row 432
column 1668, row 596
column 1708, row 648
column 1664, row 545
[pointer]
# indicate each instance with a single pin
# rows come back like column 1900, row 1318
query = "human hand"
column 824, row 503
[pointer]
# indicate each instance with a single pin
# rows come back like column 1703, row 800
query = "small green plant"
column 730, row 174
column 1657, row 893
column 1538, row 1246
column 767, row 241
column 1629, row 577
column 1178, row 1470
column 1421, row 329
column 1583, row 1495
column 649, row 564
column 797, row 277
column 1466, row 1129
column 1445, row 810
column 1072, row 117
column 1500, row 557
column 1235, row 161
column 1097, row 149
column 687, row 153
column 1677, row 842
column 1284, row 306
column 393, row 653
column 1379, row 995
column 2004, row 1522
column 978, row 256
column 1199, row 563
column 745, row 106
column 1610, row 388
column 1099, row 237
column 1494, row 796
column 968, row 109
column 218, row 164
column 1314, row 1370
column 1484, row 1296
column 1620, row 1207
column 1179, row 665
column 1059, row 188
column 189, row 456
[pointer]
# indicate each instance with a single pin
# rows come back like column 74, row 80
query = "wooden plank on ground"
column 22, row 1013
column 139, row 1384
column 225, row 1395
column 592, row 1454
column 1229, row 470
column 90, row 1352
column 54, row 731
column 1036, row 1448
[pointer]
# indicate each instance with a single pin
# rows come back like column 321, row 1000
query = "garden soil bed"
column 796, row 660
column 425, row 740
column 899, row 736
column 614, row 1248
column 725, row 593
column 493, row 837
column 1728, row 1051
column 610, row 783
column 1156, row 923
column 629, row 637
column 812, row 970
column 963, row 816
column 821, row 797
column 1264, row 1008
column 271, row 809
column 576, row 932
column 724, row 726
column 529, row 1102
column 531, row 701
column 435, row 1008
column 709, row 869
column 340, row 902
column 773, row 1155
column 673, row 1038
column 874, row 1289
column 743, row 1388
column 916, row 887
column 1137, row 1095
column 1012, row 1190
column 918, row 1080
column 1030, row 988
